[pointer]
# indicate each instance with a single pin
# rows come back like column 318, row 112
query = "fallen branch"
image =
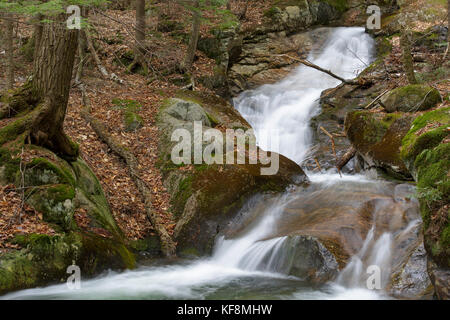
column 318, row 164
column 333, row 146
column 377, row 98
column 332, row 140
column 167, row 244
column 100, row 67
column 346, row 158
column 312, row 65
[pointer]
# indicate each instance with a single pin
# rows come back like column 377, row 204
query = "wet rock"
column 412, row 281
column 411, row 98
column 310, row 259
column 440, row 278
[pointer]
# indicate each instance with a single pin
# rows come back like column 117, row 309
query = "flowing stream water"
column 255, row 263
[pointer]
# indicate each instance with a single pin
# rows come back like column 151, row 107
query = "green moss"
column 365, row 128
column 433, row 166
column 43, row 171
column 340, row 5
column 271, row 12
column 132, row 121
column 412, row 98
column 10, row 166
column 413, row 144
column 55, row 202
column 185, row 190
column 14, row 129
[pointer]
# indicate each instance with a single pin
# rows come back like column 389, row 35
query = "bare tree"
column 193, row 41
column 9, row 50
column 408, row 62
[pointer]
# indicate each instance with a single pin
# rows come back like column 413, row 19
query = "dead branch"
column 167, row 244
column 333, row 146
column 312, row 65
column 346, row 158
column 318, row 164
column 100, row 67
column 377, row 98
column 332, row 140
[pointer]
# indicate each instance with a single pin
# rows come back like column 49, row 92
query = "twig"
column 318, row 164
column 377, row 98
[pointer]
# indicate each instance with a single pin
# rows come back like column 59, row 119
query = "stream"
column 255, row 262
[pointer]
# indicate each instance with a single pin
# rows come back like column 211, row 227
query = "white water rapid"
column 255, row 264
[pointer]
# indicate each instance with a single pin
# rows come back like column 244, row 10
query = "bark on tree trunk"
column 42, row 102
column 37, row 34
column 193, row 41
column 9, row 53
column 140, row 27
column 408, row 62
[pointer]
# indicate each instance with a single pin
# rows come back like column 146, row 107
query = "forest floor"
column 114, row 36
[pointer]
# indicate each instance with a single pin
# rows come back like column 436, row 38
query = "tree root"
column 167, row 244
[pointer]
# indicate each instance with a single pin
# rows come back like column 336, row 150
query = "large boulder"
column 377, row 138
column 411, row 98
column 204, row 197
column 426, row 152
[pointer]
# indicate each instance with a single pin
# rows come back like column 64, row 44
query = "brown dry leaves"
column 10, row 208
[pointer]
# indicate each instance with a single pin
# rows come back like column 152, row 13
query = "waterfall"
column 287, row 108
column 256, row 253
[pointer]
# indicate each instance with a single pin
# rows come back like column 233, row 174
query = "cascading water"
column 255, row 263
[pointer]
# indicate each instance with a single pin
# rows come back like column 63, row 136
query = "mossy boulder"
column 206, row 196
column 44, row 259
column 377, row 138
column 58, row 188
column 426, row 132
column 426, row 152
column 411, row 98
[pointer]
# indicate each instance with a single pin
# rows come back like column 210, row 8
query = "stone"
column 413, row 282
column 205, row 198
column 411, row 98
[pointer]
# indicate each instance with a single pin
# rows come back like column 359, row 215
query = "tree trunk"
column 42, row 102
column 37, row 34
column 408, row 62
column 140, row 27
column 193, row 41
column 9, row 43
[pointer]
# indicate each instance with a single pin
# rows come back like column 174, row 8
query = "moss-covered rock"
column 411, row 98
column 378, row 138
column 427, row 131
column 44, row 259
column 57, row 188
column 206, row 196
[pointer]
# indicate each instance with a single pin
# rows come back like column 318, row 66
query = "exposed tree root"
column 167, row 244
